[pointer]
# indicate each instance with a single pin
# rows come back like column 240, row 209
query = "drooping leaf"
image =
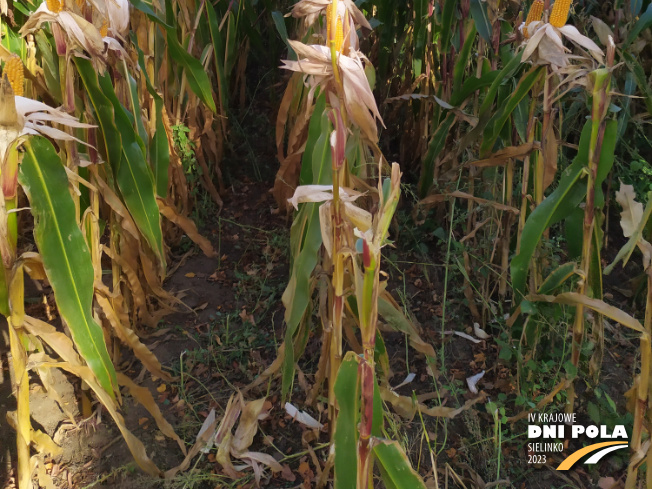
column 134, row 177
column 65, row 254
column 481, row 19
column 103, row 109
column 195, row 73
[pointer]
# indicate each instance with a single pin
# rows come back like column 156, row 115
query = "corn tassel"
column 15, row 74
column 534, row 15
column 559, row 13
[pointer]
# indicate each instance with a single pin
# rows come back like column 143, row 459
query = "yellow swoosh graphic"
column 575, row 456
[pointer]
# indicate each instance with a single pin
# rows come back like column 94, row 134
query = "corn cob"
column 559, row 13
column 15, row 74
column 104, row 30
column 54, row 6
column 338, row 38
column 534, row 15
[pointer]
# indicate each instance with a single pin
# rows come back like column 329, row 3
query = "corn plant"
column 100, row 189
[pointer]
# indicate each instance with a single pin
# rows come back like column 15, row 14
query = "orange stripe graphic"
column 575, row 456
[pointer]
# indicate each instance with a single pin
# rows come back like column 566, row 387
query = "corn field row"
column 517, row 133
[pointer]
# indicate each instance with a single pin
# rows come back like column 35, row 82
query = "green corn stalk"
column 601, row 82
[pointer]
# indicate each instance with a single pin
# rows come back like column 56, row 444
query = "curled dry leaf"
column 409, row 378
column 472, row 382
column 479, row 332
column 633, row 219
column 302, row 417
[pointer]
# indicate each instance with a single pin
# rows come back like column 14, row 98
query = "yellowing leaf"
column 190, row 275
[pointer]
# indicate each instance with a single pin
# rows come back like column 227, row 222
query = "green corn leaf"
column 104, row 114
column 159, row 150
column 557, row 278
column 434, row 148
column 134, row 177
column 195, row 73
column 625, row 116
column 471, row 85
column 395, row 467
column 641, row 79
column 305, row 238
column 135, row 105
column 462, row 62
column 574, row 232
column 279, row 22
column 562, row 202
column 218, row 55
column 481, row 19
column 347, row 393
column 447, row 17
column 508, row 70
column 65, row 254
column 50, row 64
column 148, row 9
column 159, row 153
column 496, row 123
column 231, row 35
column 643, row 22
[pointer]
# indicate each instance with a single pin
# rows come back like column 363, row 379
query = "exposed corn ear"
column 15, row 74
column 338, row 37
column 329, row 18
column 534, row 15
column 559, row 13
column 104, row 30
column 54, row 6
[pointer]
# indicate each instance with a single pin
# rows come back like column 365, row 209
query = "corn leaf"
column 462, row 62
column 481, row 19
column 562, row 201
column 305, row 239
column 218, row 54
column 346, row 429
column 643, row 22
column 447, row 17
column 66, row 257
column 195, row 73
column 395, row 467
column 496, row 123
column 103, row 112
column 641, row 79
column 134, row 177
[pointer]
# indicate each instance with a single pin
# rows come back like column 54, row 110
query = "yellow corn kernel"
column 339, row 31
column 54, row 6
column 15, row 74
column 329, row 17
column 339, row 35
column 534, row 15
column 104, row 30
column 559, row 13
